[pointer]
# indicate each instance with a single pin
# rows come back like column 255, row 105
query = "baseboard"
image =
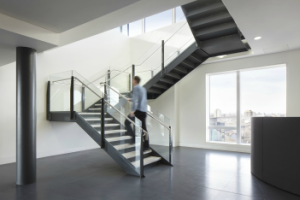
column 235, row 148
column 12, row 159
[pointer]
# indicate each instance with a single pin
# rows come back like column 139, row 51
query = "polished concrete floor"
column 92, row 175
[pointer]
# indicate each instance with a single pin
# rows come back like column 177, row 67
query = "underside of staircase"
column 215, row 33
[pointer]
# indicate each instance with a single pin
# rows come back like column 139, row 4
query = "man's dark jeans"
column 141, row 116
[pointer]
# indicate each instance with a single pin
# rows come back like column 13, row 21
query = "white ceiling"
column 60, row 15
column 276, row 21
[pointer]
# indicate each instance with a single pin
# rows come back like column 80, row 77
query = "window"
column 158, row 21
column 235, row 97
column 179, row 15
column 135, row 28
column 222, row 118
column 124, row 29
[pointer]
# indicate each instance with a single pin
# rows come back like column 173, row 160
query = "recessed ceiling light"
column 257, row 38
column 221, row 56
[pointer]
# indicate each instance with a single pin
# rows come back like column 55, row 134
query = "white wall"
column 191, row 97
column 86, row 57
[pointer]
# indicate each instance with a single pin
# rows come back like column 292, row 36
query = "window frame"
column 238, row 102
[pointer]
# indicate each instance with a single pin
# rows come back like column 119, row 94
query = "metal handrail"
column 145, row 132
column 148, row 113
column 147, row 51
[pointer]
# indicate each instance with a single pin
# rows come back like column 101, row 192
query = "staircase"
column 215, row 34
column 115, row 140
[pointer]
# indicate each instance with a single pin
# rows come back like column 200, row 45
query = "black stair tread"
column 216, row 28
column 167, row 80
column 188, row 64
column 205, row 9
column 154, row 90
column 174, row 75
column 181, row 70
column 160, row 85
column 211, row 20
column 196, row 58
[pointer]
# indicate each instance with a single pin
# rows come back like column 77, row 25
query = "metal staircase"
column 215, row 34
column 103, row 120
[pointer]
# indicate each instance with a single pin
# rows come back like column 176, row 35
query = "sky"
column 262, row 90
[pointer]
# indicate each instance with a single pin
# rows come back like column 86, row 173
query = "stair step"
column 173, row 75
column 106, row 125
column 181, row 70
column 155, row 91
column 125, row 146
column 113, row 131
column 90, row 113
column 188, row 64
column 166, row 80
column 133, row 154
column 197, row 58
column 147, row 161
column 97, row 119
column 98, row 104
column 205, row 9
column 162, row 86
column 113, row 139
column 94, row 108
column 211, row 20
column 216, row 31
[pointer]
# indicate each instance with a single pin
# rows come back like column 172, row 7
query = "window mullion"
column 238, row 107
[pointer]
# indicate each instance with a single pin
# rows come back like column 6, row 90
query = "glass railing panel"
column 130, row 131
column 157, row 123
column 159, row 133
column 60, row 96
column 61, row 77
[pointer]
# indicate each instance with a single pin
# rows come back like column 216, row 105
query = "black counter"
column 275, row 151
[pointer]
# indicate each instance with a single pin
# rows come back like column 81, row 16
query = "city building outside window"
column 235, row 97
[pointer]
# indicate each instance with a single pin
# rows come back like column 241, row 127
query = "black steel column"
column 162, row 57
column 48, row 117
column 26, row 115
column 72, row 98
column 83, row 98
column 103, row 123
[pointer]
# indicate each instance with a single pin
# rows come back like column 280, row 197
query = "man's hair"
column 137, row 79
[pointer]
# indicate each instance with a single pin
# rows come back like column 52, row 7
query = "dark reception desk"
column 275, row 151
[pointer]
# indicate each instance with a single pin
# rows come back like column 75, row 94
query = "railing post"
column 133, row 71
column 105, row 94
column 48, row 117
column 152, row 74
column 162, row 57
column 170, row 146
column 102, row 123
column 72, row 98
column 141, row 155
column 129, row 86
column 108, row 82
column 83, row 98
